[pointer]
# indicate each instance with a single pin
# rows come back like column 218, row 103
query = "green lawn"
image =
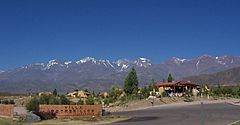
column 5, row 121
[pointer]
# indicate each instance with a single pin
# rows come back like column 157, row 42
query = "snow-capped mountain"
column 100, row 74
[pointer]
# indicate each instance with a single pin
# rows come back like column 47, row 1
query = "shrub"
column 33, row 104
column 80, row 102
column 64, row 100
column 108, row 100
column 90, row 101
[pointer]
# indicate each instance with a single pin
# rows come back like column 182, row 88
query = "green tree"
column 131, row 83
column 170, row 78
column 238, row 91
column 108, row 100
column 55, row 92
column 145, row 92
column 64, row 100
column 33, row 104
column 53, row 100
column 115, row 92
column 80, row 102
column 90, row 101
column 44, row 99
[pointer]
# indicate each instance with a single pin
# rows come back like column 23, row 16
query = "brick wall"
column 66, row 111
column 6, row 110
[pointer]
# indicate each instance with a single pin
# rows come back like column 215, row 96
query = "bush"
column 64, row 100
column 226, row 91
column 33, row 104
column 115, row 92
column 80, row 102
column 108, row 100
column 5, row 102
column 11, row 102
column 90, row 101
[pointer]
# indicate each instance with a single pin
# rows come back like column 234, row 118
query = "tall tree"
column 131, row 83
column 170, row 78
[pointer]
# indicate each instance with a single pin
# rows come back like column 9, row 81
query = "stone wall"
column 68, row 111
column 6, row 110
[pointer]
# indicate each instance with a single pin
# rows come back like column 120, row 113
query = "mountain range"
column 93, row 74
column 228, row 77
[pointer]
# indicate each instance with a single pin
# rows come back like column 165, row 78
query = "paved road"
column 215, row 114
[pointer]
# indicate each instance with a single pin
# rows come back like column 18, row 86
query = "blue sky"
column 40, row 30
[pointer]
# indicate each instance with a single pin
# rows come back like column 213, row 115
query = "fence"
column 6, row 110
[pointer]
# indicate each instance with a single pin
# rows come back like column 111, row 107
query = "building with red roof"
column 178, row 88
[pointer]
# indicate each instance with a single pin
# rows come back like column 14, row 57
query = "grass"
column 236, row 123
column 5, row 121
column 79, row 121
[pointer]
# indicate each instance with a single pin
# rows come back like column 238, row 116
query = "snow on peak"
column 232, row 61
column 68, row 62
column 87, row 59
column 197, row 65
column 221, row 62
column 143, row 62
column 178, row 60
column 123, row 64
column 1, row 71
column 122, row 61
column 104, row 62
column 109, row 63
column 51, row 63
column 39, row 64
column 144, row 59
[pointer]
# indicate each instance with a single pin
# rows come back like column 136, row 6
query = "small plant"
column 80, row 102
column 90, row 101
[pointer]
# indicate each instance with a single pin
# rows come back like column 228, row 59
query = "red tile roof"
column 160, row 84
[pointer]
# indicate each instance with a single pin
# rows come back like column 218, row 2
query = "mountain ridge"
column 225, row 78
column 100, row 74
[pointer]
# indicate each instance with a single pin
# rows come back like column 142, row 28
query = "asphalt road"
column 214, row 114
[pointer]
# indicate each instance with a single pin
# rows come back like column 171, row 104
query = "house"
column 178, row 88
column 81, row 94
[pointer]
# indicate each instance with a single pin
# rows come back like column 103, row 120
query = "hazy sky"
column 40, row 30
